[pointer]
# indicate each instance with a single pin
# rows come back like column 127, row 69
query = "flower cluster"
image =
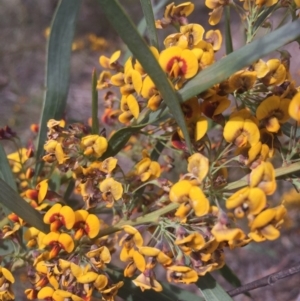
column 180, row 221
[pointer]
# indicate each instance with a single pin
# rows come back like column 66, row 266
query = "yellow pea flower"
column 111, row 191
column 294, row 106
column 94, row 145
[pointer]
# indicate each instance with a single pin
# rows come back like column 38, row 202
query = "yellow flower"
column 247, row 200
column 272, row 112
column 147, row 169
column 48, row 293
column 111, row 191
column 276, row 73
column 193, row 33
column 147, row 281
column 217, row 6
column 104, row 80
column 198, row 166
column 214, row 37
column 263, row 176
column 83, row 274
column 17, row 159
column 193, row 242
column 150, row 92
column 241, row 131
column 111, row 291
column 112, row 62
column 86, row 223
column 94, row 145
column 181, row 274
column 58, row 216
column 129, row 107
column 242, row 81
column 205, row 53
column 178, row 62
column 34, row 237
column 294, row 106
column 99, row 256
column 58, row 241
column 266, row 224
column 185, row 193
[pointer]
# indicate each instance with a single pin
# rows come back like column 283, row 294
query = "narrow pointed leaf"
column 95, row 120
column 5, row 170
column 228, row 37
column 211, row 290
column 240, row 58
column 57, row 68
column 12, row 201
column 149, row 17
column 129, row 34
column 119, row 140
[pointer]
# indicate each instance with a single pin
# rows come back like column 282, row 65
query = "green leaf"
column 57, row 68
column 239, row 59
column 228, row 38
column 158, row 148
column 95, row 120
column 231, row 277
column 119, row 140
column 5, row 170
column 130, row 292
column 211, row 290
column 149, row 17
column 11, row 200
column 129, row 34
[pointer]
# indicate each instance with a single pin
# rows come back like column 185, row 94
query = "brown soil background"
column 22, row 63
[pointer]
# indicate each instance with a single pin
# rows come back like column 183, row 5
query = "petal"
column 201, row 128
column 199, row 201
column 100, row 146
column 294, row 107
column 167, row 56
column 267, row 106
column 66, row 242
column 7, row 275
column 45, row 292
column 68, row 216
column 263, row 219
column 179, row 191
column 43, row 188
column 51, row 238
column 139, row 261
column 81, row 215
column 232, row 128
column 133, row 106
column 270, row 232
column 88, row 277
column 189, row 63
column 92, row 226
column 50, row 215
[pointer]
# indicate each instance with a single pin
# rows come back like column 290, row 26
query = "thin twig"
column 265, row 281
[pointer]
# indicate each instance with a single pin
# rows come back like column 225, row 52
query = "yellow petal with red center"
column 81, row 215
column 227, row 234
column 201, row 128
column 51, row 214
column 215, row 16
column 139, row 261
column 92, row 226
column 45, row 293
column 43, row 188
column 133, row 106
column 66, row 242
column 87, row 277
column 270, row 232
column 167, row 57
column 269, row 105
column 294, row 107
column 189, row 63
column 251, row 131
column 51, row 238
column 68, row 217
column 7, row 275
column 179, row 191
column 199, row 201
